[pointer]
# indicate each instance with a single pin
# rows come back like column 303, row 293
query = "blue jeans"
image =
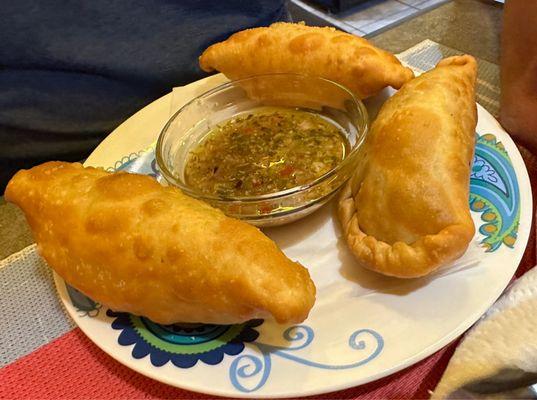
column 71, row 71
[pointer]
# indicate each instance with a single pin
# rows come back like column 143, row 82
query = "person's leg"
column 518, row 113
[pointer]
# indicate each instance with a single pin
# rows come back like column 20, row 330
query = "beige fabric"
column 505, row 338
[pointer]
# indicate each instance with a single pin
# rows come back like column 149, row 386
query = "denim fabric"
column 71, row 71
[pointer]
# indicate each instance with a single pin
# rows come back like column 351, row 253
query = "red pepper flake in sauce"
column 265, row 152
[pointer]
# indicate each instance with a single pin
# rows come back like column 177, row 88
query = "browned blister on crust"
column 296, row 48
column 405, row 211
column 131, row 244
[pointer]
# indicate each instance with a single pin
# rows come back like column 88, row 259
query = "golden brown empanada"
column 405, row 211
column 296, row 48
column 131, row 244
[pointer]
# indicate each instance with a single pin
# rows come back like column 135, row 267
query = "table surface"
column 470, row 26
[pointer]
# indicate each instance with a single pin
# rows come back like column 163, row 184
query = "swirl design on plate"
column 494, row 193
column 85, row 306
column 142, row 162
column 256, row 368
column 186, row 344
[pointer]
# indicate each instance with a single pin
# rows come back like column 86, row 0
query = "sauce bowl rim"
column 362, row 126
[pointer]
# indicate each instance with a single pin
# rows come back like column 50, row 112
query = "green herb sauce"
column 265, row 152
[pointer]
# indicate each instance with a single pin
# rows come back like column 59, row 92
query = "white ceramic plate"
column 362, row 327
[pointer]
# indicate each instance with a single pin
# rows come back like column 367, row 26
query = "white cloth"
column 505, row 337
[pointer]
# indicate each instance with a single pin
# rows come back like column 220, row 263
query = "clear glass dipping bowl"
column 188, row 126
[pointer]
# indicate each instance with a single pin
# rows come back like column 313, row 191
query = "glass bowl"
column 188, row 126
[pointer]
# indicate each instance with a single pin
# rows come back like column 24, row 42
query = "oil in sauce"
column 264, row 152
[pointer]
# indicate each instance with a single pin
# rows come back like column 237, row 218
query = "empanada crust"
column 296, row 48
column 131, row 244
column 405, row 211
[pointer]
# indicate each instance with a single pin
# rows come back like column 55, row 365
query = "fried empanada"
column 405, row 211
column 296, row 48
column 134, row 245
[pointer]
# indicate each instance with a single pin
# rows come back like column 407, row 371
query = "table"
column 455, row 25
column 471, row 26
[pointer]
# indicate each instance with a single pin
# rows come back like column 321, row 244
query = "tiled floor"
column 366, row 18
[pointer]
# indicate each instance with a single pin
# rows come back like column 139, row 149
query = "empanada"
column 296, row 48
column 405, row 211
column 131, row 244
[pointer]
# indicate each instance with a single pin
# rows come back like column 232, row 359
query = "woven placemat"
column 32, row 314
column 427, row 54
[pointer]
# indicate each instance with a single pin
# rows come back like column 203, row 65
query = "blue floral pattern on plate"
column 182, row 344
